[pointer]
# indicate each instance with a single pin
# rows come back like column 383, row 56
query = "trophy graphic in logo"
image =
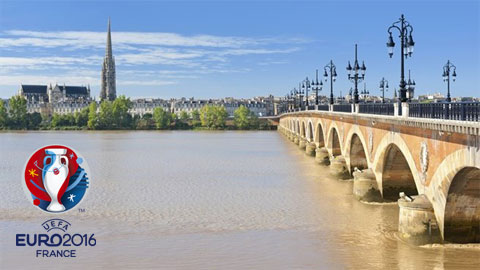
column 54, row 175
column 55, row 178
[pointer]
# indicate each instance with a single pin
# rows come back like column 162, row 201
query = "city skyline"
column 199, row 58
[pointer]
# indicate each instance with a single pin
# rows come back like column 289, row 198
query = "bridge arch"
column 334, row 142
column 310, row 131
column 303, row 129
column 356, row 154
column 297, row 127
column 455, row 189
column 320, row 135
column 394, row 168
column 462, row 209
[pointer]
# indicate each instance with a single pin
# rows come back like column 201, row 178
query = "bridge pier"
column 310, row 149
column 321, row 156
column 302, row 143
column 338, row 168
column 365, row 186
column 296, row 140
column 290, row 135
column 417, row 223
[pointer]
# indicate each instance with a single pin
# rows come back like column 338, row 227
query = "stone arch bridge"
column 435, row 163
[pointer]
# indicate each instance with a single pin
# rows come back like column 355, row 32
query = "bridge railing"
column 342, row 108
column 462, row 111
column 377, row 108
column 323, row 107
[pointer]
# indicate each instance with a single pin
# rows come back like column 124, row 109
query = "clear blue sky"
column 232, row 48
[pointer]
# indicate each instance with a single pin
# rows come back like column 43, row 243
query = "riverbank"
column 230, row 125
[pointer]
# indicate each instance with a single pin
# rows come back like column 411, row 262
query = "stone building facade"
column 55, row 99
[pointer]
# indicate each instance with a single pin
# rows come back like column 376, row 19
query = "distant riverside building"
column 143, row 106
column 109, row 89
column 55, row 99
column 436, row 97
column 260, row 107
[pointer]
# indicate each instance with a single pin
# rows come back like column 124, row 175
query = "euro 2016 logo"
column 55, row 178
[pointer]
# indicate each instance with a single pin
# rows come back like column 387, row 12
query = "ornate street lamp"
column 317, row 86
column 305, row 88
column 356, row 74
column 331, row 69
column 293, row 93
column 383, row 88
column 300, row 94
column 410, row 87
column 406, row 49
column 449, row 67
column 365, row 92
column 286, row 102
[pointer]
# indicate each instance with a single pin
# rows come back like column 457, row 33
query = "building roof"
column 34, row 89
column 75, row 90
column 42, row 89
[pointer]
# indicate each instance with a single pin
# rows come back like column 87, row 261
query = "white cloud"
column 97, row 39
column 46, row 62
column 16, row 80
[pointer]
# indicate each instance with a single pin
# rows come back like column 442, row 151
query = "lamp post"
column 406, row 49
column 365, row 92
column 305, row 88
column 331, row 69
column 356, row 74
column 317, row 86
column 300, row 95
column 449, row 67
column 293, row 93
column 383, row 88
column 289, row 102
column 410, row 87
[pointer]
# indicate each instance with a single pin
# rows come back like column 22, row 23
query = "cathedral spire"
column 108, row 52
column 108, row 91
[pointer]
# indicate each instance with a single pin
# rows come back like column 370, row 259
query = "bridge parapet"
column 444, row 125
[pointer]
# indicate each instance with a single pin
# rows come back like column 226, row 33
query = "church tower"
column 109, row 91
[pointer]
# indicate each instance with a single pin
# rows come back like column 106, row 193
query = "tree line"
column 111, row 115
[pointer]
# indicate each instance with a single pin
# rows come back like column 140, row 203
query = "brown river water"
column 209, row 200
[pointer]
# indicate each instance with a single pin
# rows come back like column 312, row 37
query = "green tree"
column 244, row 118
column 213, row 117
column 144, row 122
column 92, row 116
column 62, row 120
column 56, row 120
column 196, row 118
column 34, row 120
column 120, row 112
column 162, row 118
column 18, row 112
column 3, row 115
column 184, row 116
column 181, row 122
column 105, row 115
column 195, row 115
column 81, row 118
